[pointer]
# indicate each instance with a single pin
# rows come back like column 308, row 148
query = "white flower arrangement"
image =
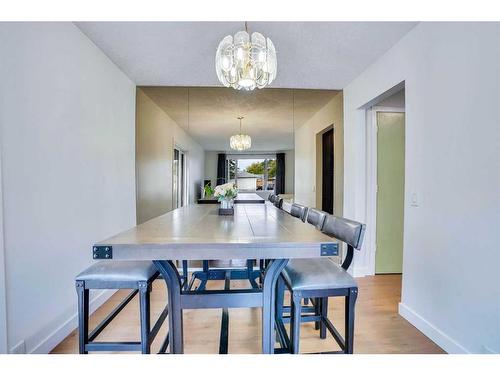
column 225, row 192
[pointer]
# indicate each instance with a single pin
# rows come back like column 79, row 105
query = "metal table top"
column 256, row 231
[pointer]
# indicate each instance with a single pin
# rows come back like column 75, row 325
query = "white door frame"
column 371, row 182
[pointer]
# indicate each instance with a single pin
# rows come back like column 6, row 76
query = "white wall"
column 67, row 144
column 3, row 288
column 306, row 166
column 396, row 100
column 211, row 166
column 451, row 289
column 157, row 134
column 289, row 171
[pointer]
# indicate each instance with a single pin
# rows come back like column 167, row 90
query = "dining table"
column 198, row 232
column 246, row 198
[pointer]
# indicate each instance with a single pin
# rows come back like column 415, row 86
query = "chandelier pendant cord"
column 240, row 118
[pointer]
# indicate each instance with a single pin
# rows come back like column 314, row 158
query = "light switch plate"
column 414, row 200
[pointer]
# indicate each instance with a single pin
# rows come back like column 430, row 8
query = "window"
column 252, row 173
column 179, row 179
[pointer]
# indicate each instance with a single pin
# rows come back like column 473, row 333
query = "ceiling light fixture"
column 240, row 141
column 245, row 63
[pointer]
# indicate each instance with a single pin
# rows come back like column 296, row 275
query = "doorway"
column 327, row 171
column 390, row 176
column 179, row 196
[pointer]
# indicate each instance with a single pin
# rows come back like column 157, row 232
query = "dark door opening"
column 327, row 180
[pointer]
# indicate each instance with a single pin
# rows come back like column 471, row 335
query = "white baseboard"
column 41, row 343
column 359, row 271
column 448, row 344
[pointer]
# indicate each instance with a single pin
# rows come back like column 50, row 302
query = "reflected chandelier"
column 245, row 62
column 240, row 141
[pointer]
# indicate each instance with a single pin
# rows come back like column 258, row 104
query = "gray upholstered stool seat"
column 120, row 271
column 307, row 274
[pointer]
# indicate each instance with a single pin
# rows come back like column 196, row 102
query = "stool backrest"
column 278, row 202
column 316, row 217
column 348, row 231
column 299, row 211
column 286, row 206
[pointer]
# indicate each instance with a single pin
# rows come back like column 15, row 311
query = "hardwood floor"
column 379, row 328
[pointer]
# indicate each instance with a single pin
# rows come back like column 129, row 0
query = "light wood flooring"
column 379, row 328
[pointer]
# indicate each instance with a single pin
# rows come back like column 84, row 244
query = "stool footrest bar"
column 104, row 323
column 128, row 346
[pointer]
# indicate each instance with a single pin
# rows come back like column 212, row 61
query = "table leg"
column 271, row 275
column 172, row 278
column 185, row 276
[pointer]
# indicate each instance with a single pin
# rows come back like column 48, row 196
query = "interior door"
column 327, row 171
column 390, row 192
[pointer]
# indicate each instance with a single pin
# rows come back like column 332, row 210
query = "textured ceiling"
column 270, row 114
column 317, row 55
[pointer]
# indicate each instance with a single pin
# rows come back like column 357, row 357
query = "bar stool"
column 287, row 207
column 107, row 274
column 278, row 202
column 319, row 279
column 316, row 217
column 299, row 211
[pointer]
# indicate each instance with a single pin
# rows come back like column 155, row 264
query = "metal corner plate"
column 329, row 249
column 102, row 252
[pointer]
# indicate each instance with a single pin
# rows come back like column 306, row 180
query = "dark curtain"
column 280, row 174
column 221, row 169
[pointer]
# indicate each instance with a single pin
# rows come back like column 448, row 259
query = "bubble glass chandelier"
column 244, row 63
column 240, row 142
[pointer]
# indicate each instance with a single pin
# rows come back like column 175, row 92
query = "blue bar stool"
column 316, row 217
column 319, row 279
column 136, row 275
column 278, row 202
column 299, row 211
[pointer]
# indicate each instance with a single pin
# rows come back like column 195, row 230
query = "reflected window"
column 252, row 174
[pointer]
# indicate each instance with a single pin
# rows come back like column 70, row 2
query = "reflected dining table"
column 197, row 232
column 245, row 198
